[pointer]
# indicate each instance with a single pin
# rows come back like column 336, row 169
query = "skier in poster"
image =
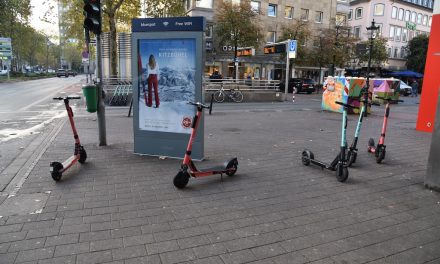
column 152, row 80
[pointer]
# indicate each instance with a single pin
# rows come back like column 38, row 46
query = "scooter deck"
column 214, row 169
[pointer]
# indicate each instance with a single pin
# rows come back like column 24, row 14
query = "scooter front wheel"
column 231, row 167
column 341, row 172
column 370, row 144
column 56, row 170
column 380, row 155
column 181, row 179
column 307, row 155
column 82, row 155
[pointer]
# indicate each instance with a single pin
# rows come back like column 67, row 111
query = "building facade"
column 273, row 15
column 399, row 22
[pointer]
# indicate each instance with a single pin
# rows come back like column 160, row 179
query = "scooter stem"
column 72, row 124
column 384, row 124
column 195, row 125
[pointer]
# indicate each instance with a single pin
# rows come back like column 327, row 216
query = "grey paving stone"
column 192, row 242
column 72, row 249
column 177, row 256
column 10, row 228
column 35, row 254
column 59, row 260
column 98, row 235
column 210, row 250
column 62, row 240
column 153, row 259
column 70, row 229
column 125, row 232
column 27, row 244
column 4, row 247
column 43, row 232
column 99, row 245
column 129, row 252
column 138, row 240
column 10, row 237
column 8, row 258
column 94, row 257
column 160, row 247
column 238, row 257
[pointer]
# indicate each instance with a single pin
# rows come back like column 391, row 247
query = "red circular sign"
column 186, row 122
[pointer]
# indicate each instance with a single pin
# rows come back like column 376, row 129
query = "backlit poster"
column 166, row 84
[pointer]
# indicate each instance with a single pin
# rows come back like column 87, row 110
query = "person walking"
column 152, row 80
column 415, row 88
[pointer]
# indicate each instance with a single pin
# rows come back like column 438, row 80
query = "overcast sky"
column 39, row 8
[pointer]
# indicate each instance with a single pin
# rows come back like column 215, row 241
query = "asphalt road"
column 27, row 111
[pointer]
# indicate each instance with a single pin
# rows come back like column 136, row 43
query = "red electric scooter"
column 188, row 168
column 379, row 150
column 79, row 154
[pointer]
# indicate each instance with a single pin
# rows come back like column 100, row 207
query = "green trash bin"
column 91, row 94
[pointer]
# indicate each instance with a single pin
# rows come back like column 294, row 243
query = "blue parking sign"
column 292, row 45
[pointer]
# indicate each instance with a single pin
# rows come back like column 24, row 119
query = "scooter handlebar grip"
column 198, row 104
column 58, row 98
column 73, row 97
column 346, row 105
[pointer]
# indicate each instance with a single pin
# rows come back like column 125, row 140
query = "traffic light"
column 92, row 13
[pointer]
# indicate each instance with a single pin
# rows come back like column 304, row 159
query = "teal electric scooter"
column 352, row 150
column 339, row 164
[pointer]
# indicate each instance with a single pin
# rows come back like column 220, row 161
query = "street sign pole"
column 101, row 106
column 286, row 86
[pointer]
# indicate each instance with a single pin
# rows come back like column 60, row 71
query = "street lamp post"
column 372, row 30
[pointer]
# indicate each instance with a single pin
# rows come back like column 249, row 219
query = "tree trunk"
column 113, row 46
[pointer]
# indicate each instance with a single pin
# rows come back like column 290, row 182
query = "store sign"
column 245, row 52
column 292, row 49
column 275, row 48
column 411, row 26
column 5, row 49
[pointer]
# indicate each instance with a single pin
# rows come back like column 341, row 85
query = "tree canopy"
column 379, row 53
column 416, row 51
column 165, row 8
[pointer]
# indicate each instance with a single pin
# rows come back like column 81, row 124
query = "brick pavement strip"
column 122, row 208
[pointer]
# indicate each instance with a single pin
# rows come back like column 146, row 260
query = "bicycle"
column 234, row 95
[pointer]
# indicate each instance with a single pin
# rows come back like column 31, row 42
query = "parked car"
column 62, row 72
column 72, row 73
column 3, row 72
column 405, row 89
column 301, row 85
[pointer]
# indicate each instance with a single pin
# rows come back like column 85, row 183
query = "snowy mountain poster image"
column 166, row 83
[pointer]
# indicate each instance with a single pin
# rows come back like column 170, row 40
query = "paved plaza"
column 123, row 208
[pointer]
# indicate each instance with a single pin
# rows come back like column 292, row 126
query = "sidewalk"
column 123, row 208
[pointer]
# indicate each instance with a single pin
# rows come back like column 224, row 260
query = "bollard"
column 432, row 178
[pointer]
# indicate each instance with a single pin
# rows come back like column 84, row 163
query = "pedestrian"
column 153, row 81
column 415, row 88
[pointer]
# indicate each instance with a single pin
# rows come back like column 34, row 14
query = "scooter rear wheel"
column 307, row 155
column 56, row 168
column 341, row 173
column 82, row 155
column 181, row 179
column 380, row 155
column 351, row 158
column 232, row 167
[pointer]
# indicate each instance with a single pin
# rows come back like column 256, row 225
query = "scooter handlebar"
column 346, row 105
column 198, row 104
column 67, row 97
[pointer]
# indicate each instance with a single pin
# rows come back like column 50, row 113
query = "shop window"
column 398, row 33
column 304, row 14
column 379, row 9
column 350, row 14
column 272, row 10
column 389, row 52
column 208, row 32
column 271, row 37
column 405, row 35
column 413, row 17
column 359, row 13
column 396, row 52
column 341, row 19
column 288, row 12
column 256, row 6
column 429, row 21
column 204, row 3
column 419, row 18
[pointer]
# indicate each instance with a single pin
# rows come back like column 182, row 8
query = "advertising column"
column 167, row 74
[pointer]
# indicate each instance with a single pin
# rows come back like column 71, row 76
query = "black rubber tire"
column 232, row 164
column 238, row 97
column 181, row 179
column 56, row 170
column 82, row 155
column 219, row 97
column 380, row 155
column 341, row 173
column 371, row 142
column 306, row 156
column 351, row 158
